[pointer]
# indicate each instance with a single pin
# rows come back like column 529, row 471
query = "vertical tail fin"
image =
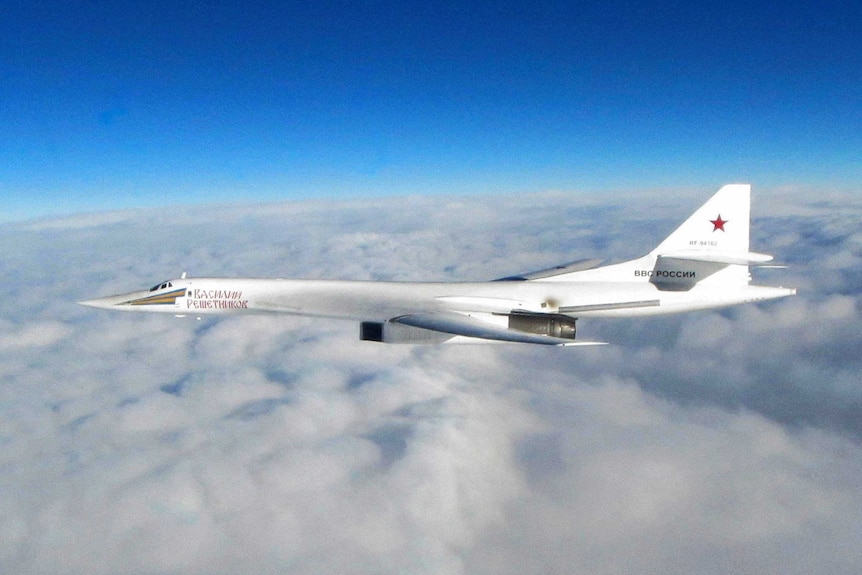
column 720, row 225
column 710, row 246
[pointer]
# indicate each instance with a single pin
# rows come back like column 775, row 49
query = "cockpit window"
column 161, row 286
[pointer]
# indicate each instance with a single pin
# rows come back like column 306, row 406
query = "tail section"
column 711, row 246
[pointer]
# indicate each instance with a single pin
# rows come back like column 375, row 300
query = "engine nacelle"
column 560, row 326
column 388, row 332
column 552, row 325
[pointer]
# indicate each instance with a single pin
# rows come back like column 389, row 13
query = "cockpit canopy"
column 162, row 285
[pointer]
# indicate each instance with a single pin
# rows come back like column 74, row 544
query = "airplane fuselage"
column 361, row 300
column 703, row 264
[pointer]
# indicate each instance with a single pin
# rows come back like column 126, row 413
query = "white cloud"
column 42, row 334
column 677, row 490
column 710, row 443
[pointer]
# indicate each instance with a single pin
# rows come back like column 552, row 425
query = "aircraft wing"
column 468, row 326
column 576, row 266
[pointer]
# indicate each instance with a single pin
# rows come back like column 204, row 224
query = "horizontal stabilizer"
column 728, row 258
column 459, row 324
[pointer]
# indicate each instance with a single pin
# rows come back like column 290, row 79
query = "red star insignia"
column 718, row 223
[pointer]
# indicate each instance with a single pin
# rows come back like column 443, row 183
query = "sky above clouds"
column 716, row 442
column 160, row 103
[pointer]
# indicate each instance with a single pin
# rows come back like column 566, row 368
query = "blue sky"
column 144, row 103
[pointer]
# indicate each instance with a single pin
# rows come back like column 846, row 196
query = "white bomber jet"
column 703, row 264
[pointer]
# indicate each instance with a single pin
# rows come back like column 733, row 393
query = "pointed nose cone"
column 101, row 303
column 112, row 301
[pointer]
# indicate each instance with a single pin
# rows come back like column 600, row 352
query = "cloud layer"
column 711, row 443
